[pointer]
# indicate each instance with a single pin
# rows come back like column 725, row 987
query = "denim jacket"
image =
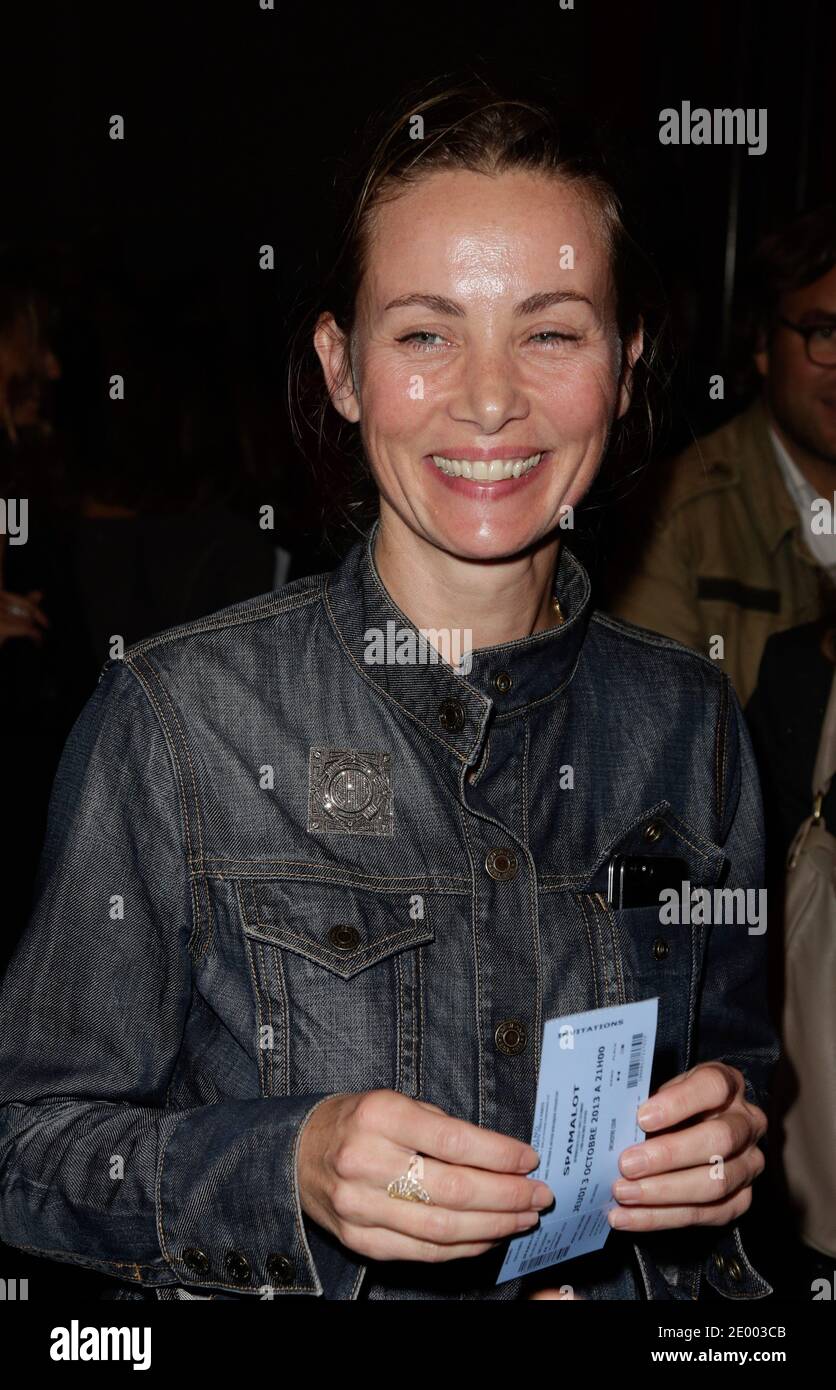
column 275, row 871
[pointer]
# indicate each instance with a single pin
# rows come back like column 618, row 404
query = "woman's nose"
column 488, row 392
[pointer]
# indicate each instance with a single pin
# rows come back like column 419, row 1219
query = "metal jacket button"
column 661, row 948
column 344, row 938
column 238, row 1267
column 196, row 1260
column 502, row 864
column 503, row 682
column 280, row 1269
column 451, row 716
column 653, row 832
column 734, row 1270
column 510, row 1036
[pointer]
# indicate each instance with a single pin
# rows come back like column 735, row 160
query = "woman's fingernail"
column 626, row 1191
column 618, row 1217
column 649, row 1115
column 633, row 1163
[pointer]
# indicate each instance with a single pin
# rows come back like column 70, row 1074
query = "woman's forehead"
column 486, row 231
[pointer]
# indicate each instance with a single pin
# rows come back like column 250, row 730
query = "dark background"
column 236, row 121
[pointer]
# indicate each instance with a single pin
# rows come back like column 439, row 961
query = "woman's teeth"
column 483, row 471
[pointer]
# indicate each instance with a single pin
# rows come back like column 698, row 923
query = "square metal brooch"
column 350, row 792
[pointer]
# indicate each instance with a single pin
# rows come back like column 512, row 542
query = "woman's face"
column 486, row 357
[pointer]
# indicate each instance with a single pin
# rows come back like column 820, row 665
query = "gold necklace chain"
column 556, row 608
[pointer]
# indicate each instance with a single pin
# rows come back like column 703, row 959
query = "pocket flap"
column 659, row 832
column 342, row 928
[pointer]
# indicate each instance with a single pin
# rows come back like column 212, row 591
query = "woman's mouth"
column 494, row 470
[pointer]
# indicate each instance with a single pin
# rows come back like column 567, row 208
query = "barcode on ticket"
column 536, row 1261
column 636, row 1057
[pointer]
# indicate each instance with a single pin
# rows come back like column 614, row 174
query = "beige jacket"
column 725, row 557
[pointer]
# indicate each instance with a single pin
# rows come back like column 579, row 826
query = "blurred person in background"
column 731, row 551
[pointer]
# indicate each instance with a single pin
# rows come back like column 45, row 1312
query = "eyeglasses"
column 819, row 340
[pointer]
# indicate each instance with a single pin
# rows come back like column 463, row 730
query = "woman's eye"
column 823, row 333
column 420, row 337
column 551, row 335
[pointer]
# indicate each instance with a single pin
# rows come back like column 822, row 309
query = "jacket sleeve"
column 733, row 1019
column 95, row 1168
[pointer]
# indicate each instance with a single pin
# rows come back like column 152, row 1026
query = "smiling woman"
column 355, row 890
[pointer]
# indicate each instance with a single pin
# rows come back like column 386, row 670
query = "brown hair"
column 471, row 125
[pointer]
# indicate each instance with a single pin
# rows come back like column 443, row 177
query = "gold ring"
column 407, row 1188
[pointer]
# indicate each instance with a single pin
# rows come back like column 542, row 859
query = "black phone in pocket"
column 636, row 880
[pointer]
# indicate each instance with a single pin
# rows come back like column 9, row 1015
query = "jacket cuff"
column 729, row 1270
column 229, row 1214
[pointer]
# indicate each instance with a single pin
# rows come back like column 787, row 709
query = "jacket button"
column 196, row 1260
column 510, row 1036
column 734, row 1271
column 719, row 1262
column 503, row 682
column 451, row 716
column 653, row 832
column 280, row 1269
column 237, row 1267
column 661, row 948
column 502, row 864
column 344, row 938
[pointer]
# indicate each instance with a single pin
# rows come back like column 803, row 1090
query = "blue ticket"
column 594, row 1075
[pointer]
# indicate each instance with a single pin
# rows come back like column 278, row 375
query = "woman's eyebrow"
column 533, row 305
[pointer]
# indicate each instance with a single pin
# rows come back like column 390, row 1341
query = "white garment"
column 821, row 547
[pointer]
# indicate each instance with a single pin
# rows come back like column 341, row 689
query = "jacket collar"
column 454, row 708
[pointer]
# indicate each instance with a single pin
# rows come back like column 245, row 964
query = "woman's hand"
column 353, row 1146
column 21, row 615
column 698, row 1168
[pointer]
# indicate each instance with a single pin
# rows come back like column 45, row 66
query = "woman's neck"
column 494, row 600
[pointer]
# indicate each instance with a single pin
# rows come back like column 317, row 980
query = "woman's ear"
column 632, row 352
column 333, row 351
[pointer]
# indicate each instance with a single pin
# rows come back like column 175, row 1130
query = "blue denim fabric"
column 156, row 1068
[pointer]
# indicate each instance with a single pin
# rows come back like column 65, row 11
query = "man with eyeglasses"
column 737, row 550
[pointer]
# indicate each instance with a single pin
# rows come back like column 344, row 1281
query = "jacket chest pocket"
column 664, row 961
column 338, row 979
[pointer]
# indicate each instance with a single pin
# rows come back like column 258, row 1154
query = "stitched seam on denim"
column 482, row 764
column 602, row 949
column 644, row 1274
column 273, row 608
column 178, row 780
column 199, row 831
column 643, row 637
column 524, row 789
column 158, row 1197
column 581, row 899
column 236, row 869
column 744, row 1257
column 474, row 920
column 385, row 693
column 419, row 997
column 722, row 735
column 295, row 1174
column 248, row 949
column 399, row 995
column 609, row 917
column 262, row 956
column 281, row 984
column 693, row 989
column 198, row 810
column 88, row 1262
